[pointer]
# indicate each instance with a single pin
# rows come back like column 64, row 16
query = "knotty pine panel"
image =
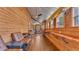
column 13, row 20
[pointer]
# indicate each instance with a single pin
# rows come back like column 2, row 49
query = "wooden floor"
column 40, row 43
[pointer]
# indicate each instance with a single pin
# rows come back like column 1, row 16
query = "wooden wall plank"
column 13, row 19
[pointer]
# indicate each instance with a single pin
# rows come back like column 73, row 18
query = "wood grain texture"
column 67, row 30
column 13, row 20
column 40, row 43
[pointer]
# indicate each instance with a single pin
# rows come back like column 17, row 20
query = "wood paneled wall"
column 13, row 20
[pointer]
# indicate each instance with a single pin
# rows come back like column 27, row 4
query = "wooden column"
column 44, row 25
column 49, row 24
column 54, row 22
column 68, row 18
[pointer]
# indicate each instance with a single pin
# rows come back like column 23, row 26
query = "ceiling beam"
column 56, row 13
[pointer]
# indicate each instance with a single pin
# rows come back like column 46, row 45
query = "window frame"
column 60, row 26
column 74, row 16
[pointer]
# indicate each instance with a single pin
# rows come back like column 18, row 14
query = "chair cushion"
column 17, row 36
column 15, row 44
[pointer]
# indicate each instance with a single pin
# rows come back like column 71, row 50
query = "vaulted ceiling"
column 45, row 11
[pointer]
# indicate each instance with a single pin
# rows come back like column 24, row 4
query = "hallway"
column 40, row 43
column 51, row 28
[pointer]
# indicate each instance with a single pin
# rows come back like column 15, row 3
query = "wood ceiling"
column 45, row 11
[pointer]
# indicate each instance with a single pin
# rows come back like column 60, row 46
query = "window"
column 60, row 21
column 75, row 16
column 51, row 23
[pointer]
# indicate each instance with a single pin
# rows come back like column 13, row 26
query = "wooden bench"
column 71, row 33
column 63, row 42
column 72, row 42
column 59, row 44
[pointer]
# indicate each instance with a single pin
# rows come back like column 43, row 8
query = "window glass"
column 76, row 16
column 51, row 23
column 60, row 21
